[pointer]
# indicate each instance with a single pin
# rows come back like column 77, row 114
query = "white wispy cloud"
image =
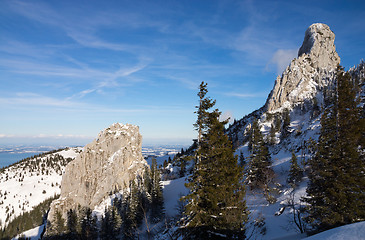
column 33, row 99
column 99, row 78
column 227, row 115
column 47, row 136
column 29, row 101
column 282, row 58
column 244, row 95
column 83, row 29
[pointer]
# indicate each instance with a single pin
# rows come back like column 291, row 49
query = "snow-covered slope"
column 355, row 231
column 32, row 234
column 29, row 182
column 299, row 94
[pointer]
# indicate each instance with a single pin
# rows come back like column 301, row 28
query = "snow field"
column 23, row 187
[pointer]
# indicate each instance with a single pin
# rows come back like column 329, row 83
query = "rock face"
column 107, row 164
column 309, row 73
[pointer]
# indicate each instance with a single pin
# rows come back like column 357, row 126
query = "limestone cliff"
column 107, row 164
column 302, row 84
column 309, row 73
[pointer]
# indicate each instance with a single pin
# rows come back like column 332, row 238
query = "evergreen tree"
column 134, row 211
column 260, row 172
column 295, row 172
column 116, row 222
column 241, row 160
column 59, row 223
column 286, row 122
column 201, row 124
column 182, row 167
column 148, row 182
column 157, row 208
column 216, row 203
column 272, row 136
column 106, row 226
column 88, row 224
column 337, row 180
column 277, row 123
column 72, row 222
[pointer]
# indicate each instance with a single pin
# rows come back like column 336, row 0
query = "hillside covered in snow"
column 110, row 191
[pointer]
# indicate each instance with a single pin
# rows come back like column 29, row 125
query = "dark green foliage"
column 72, row 222
column 165, row 163
column 106, row 231
column 88, row 224
column 157, row 203
column 337, row 180
column 182, row 162
column 201, row 124
column 286, row 123
column 272, row 135
column 27, row 220
column 295, row 172
column 111, row 223
column 277, row 123
column 59, row 223
column 259, row 173
column 134, row 209
column 216, row 203
column 136, row 213
column 242, row 160
column 122, row 219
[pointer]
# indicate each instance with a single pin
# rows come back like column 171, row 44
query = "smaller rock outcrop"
column 308, row 74
column 106, row 165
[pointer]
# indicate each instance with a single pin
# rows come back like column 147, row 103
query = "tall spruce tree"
column 59, row 223
column 272, row 135
column 259, row 173
column 72, row 223
column 88, row 224
column 106, row 227
column 286, row 121
column 337, row 181
column 216, row 205
column 295, row 172
column 242, row 160
column 157, row 203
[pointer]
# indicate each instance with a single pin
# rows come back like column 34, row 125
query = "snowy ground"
column 355, row 231
column 24, row 185
column 172, row 191
column 33, row 234
column 278, row 223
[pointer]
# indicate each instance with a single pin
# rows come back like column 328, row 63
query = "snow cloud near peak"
column 282, row 58
column 226, row 115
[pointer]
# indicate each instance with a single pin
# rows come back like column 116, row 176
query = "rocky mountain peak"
column 319, row 44
column 308, row 74
column 106, row 165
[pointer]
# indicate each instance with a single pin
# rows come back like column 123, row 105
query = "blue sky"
column 69, row 69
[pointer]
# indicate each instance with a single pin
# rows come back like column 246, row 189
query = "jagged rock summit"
column 309, row 73
column 106, row 165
